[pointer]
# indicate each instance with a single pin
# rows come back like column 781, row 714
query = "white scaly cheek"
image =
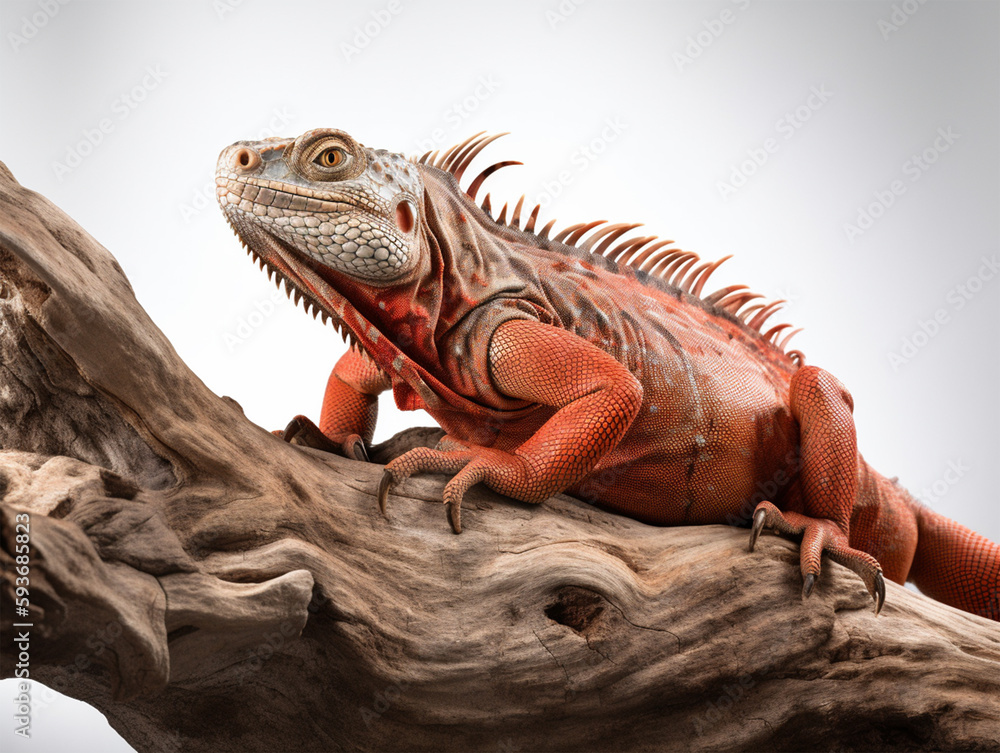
column 364, row 246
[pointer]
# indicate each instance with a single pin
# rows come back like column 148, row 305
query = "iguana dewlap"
column 589, row 363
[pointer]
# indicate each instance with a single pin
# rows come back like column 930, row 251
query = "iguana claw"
column 820, row 536
column 385, row 484
column 301, row 431
column 879, row 592
column 383, row 490
column 807, row 585
column 360, row 452
column 501, row 471
column 758, row 526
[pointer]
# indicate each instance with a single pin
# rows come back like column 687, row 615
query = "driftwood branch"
column 211, row 588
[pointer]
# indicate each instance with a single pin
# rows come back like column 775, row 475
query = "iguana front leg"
column 597, row 399
column 823, row 409
column 350, row 409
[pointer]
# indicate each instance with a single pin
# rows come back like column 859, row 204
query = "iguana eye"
column 331, row 157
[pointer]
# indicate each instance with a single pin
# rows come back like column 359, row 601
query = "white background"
column 554, row 74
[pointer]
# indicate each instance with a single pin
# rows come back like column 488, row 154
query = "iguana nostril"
column 245, row 159
column 404, row 216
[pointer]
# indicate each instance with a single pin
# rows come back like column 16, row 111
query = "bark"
column 211, row 588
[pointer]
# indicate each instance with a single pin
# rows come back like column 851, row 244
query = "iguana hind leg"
column 829, row 481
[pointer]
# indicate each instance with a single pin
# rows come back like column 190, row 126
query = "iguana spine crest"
column 649, row 255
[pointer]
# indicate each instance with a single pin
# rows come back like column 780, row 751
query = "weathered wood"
column 211, row 588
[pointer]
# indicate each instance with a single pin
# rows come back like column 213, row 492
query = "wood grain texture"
column 211, row 588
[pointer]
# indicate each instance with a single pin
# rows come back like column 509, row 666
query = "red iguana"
column 584, row 363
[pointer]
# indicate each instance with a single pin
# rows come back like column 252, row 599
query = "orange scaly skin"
column 574, row 364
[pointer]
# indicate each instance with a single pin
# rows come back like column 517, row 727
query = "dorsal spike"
column 762, row 316
column 649, row 260
column 461, row 157
column 700, row 281
column 786, row 338
column 665, row 263
column 624, row 251
column 451, row 158
column 674, row 272
column 732, row 303
column 423, row 158
column 723, row 301
column 432, row 158
column 515, row 217
column 721, row 293
column 465, row 160
column 446, row 156
column 776, row 330
column 445, row 159
column 502, row 219
column 487, row 207
column 660, row 257
column 734, row 307
column 575, row 236
column 561, row 235
column 610, row 234
column 474, row 186
column 688, row 281
column 544, row 233
column 746, row 313
column 797, row 356
column 529, row 226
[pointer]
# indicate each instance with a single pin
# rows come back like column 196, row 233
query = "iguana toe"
column 501, row 471
column 867, row 568
column 820, row 536
column 303, row 432
column 426, row 460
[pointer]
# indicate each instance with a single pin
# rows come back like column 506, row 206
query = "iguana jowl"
column 584, row 363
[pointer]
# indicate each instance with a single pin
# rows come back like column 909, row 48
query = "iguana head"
column 325, row 196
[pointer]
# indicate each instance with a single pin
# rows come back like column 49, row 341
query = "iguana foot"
column 301, row 431
column 501, row 471
column 820, row 535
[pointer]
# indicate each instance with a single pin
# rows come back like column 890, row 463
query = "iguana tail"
column 954, row 564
